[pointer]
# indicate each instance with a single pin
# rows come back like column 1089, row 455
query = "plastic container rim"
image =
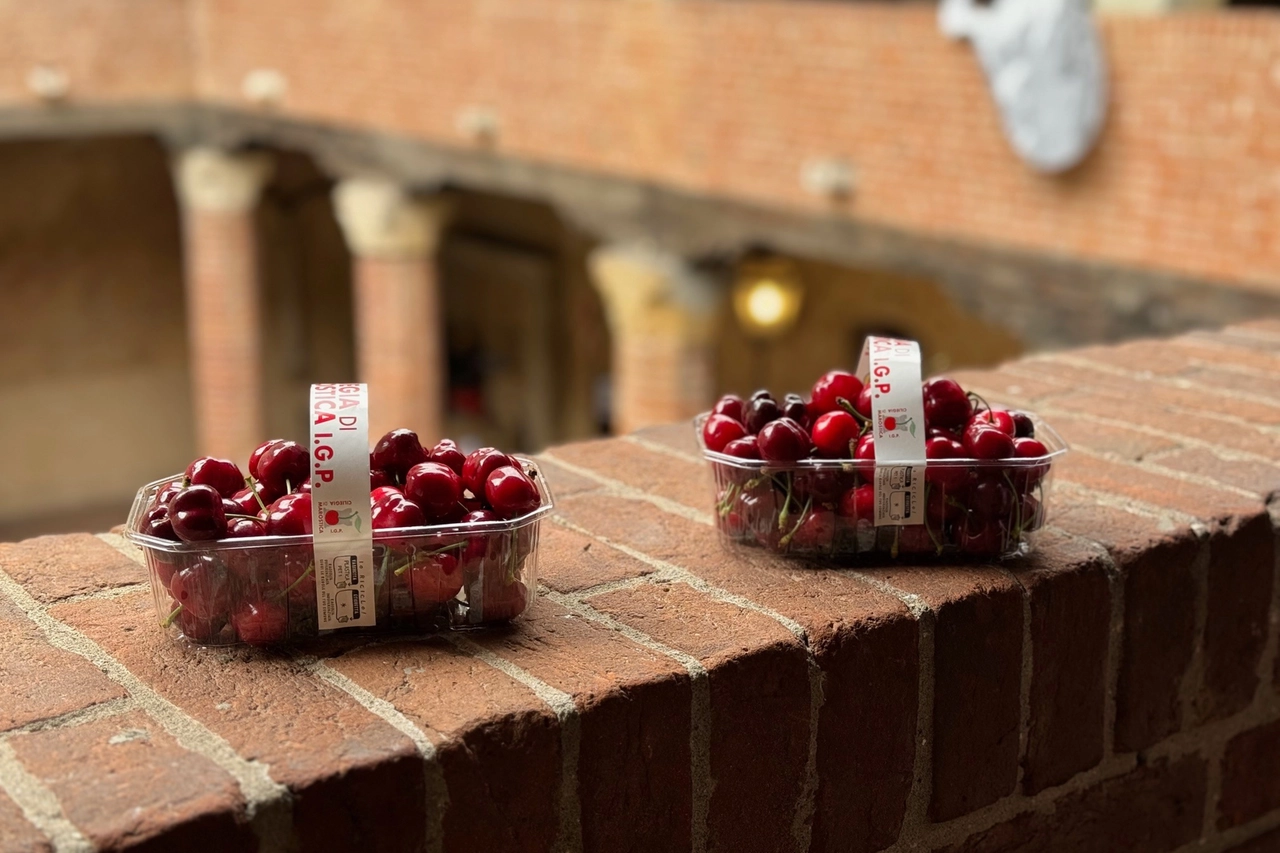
column 142, row 498
column 1055, row 444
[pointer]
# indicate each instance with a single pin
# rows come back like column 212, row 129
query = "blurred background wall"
column 531, row 221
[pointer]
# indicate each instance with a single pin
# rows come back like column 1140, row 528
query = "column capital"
column 651, row 292
column 383, row 219
column 218, row 180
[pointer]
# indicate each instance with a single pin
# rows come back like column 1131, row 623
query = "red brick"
column 53, row 567
column 1159, row 616
column 1259, row 477
column 1203, row 502
column 124, row 782
column 977, row 670
column 1155, row 808
column 569, row 561
column 1070, row 601
column 865, row 642
column 1100, row 438
column 498, row 744
column 564, row 482
column 17, row 835
column 42, row 681
column 678, row 436
column 1267, row 842
column 634, row 766
column 1231, row 380
column 759, row 683
column 354, row 778
column 1241, row 569
column 687, row 483
column 1250, row 783
column 1012, row 385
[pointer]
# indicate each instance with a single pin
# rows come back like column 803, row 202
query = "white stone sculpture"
column 1044, row 64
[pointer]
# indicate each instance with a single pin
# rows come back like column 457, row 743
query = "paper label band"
column 891, row 367
column 341, row 523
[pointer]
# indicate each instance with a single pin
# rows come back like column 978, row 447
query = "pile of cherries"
column 804, row 484
column 262, row 592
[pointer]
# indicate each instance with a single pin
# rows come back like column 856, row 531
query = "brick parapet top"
column 663, row 681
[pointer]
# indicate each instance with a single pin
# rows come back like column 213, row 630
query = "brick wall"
column 1119, row 689
column 733, row 98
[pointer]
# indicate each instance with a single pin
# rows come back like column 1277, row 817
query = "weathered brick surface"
column 1267, row 842
column 1070, row 620
column 41, row 681
column 498, row 745
column 564, row 482
column 125, row 783
column 758, row 674
column 977, row 666
column 1255, row 476
column 1194, row 499
column 1250, row 783
column 679, row 437
column 685, row 482
column 17, row 835
column 569, row 561
column 634, row 765
column 355, row 779
column 41, row 566
column 1154, row 808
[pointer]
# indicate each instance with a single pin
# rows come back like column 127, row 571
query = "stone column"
column 662, row 318
column 400, row 349
column 218, row 191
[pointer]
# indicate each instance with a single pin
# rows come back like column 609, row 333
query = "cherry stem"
column 291, row 587
column 848, row 407
column 253, row 487
column 455, row 546
column 974, row 395
column 186, row 481
column 804, row 515
column 288, row 487
column 726, row 503
column 168, row 620
column 786, row 505
column 238, row 515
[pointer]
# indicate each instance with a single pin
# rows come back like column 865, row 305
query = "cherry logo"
column 331, row 517
column 890, row 423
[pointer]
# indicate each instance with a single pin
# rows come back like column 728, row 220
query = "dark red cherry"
column 395, row 510
column 793, row 406
column 382, row 491
column 283, row 467
column 479, row 464
column 832, row 387
column 289, row 516
column 222, row 474
column 197, row 514
column 157, row 524
column 991, row 500
column 719, row 430
column 761, row 411
column 863, row 404
column 435, row 488
column 783, row 440
column 859, row 503
column 250, row 501
column 478, row 545
column 397, row 452
column 162, row 498
column 816, row 531
column 998, row 418
column 261, row 623
column 1029, row 448
column 511, row 493
column 202, row 588
column 730, row 405
column 987, row 442
column 835, row 433
column 446, row 452
column 1023, row 426
column 762, row 394
column 379, row 478
column 747, row 447
column 865, row 453
column 255, row 458
column 949, row 477
column 434, row 579
column 239, row 528
column 945, row 403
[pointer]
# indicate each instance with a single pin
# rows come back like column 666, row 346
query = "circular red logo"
column 331, row 516
column 890, row 422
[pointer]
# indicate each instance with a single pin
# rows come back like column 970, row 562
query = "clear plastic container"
column 975, row 508
column 261, row 590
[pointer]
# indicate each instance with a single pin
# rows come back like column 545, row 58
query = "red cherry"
column 949, row 477
column 1032, row 513
column 915, row 539
column 446, row 452
column 998, row 418
column 157, row 524
column 239, row 528
column 434, row 487
column 434, row 579
column 197, row 514
column 834, row 432
column 1029, row 448
column 981, row 537
column 261, row 623
column 816, row 532
column 859, row 503
column 1028, row 476
column 991, row 500
column 379, row 478
column 201, row 630
column 283, row 466
column 479, row 464
column 255, row 458
column 395, row 510
column 222, row 474
column 830, row 388
column 511, row 493
column 249, row 501
column 289, row 516
column 397, row 452
column 890, row 423
column 987, row 442
column 945, row 403
column 863, row 404
column 382, row 491
column 747, row 447
column 942, row 432
column 1023, row 426
column 760, row 411
column 730, row 405
column 478, row 545
column 783, row 440
column 719, row 430
column 162, row 498
column 500, row 600
column 942, row 508
column 794, row 407
column 865, row 453
column 202, row 589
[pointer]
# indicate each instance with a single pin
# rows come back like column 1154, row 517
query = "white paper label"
column 891, row 367
column 342, row 528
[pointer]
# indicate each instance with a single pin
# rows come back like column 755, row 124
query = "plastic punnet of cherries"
column 798, row 477
column 248, row 589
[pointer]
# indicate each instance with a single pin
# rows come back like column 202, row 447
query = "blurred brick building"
column 525, row 222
